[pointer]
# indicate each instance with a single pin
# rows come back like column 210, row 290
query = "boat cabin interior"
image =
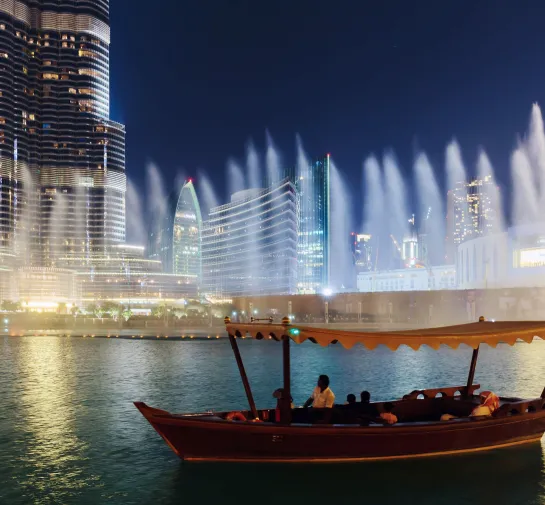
column 419, row 406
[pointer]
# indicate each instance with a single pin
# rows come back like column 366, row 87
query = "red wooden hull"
column 198, row 438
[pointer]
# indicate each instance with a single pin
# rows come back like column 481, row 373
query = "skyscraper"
column 249, row 245
column 470, row 212
column 62, row 160
column 175, row 237
column 313, row 247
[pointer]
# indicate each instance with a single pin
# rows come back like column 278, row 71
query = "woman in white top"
column 322, row 397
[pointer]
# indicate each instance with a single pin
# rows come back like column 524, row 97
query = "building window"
column 51, row 76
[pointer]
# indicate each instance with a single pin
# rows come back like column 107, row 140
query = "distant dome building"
column 175, row 239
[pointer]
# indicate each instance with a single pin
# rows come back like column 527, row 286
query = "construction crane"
column 396, row 244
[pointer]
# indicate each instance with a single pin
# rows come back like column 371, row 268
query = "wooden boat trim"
column 364, row 459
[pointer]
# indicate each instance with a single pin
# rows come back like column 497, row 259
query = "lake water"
column 69, row 432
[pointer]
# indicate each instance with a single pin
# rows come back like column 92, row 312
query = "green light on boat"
column 295, row 331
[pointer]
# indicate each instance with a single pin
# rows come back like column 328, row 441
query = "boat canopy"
column 472, row 334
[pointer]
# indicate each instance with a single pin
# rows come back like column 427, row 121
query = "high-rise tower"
column 62, row 161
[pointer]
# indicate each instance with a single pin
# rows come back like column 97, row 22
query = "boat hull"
column 196, row 438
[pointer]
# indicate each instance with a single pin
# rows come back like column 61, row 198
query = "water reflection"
column 70, row 434
column 47, row 453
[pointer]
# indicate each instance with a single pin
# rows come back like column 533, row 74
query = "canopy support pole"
column 471, row 375
column 286, row 397
column 243, row 375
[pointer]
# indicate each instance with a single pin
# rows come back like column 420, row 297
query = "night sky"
column 194, row 81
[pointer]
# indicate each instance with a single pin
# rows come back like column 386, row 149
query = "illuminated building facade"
column 62, row 162
column 249, row 246
column 469, row 212
column 363, row 252
column 314, row 247
column 175, row 239
column 408, row 279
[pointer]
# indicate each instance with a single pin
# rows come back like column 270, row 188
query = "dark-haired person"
column 322, row 397
column 368, row 412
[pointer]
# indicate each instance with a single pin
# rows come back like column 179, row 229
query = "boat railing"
column 520, row 407
column 447, row 392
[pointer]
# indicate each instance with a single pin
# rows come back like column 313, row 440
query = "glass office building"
column 175, row 239
column 314, row 247
column 249, row 246
column 62, row 160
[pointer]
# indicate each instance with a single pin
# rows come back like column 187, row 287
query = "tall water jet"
column 429, row 195
column 26, row 215
column 535, row 145
column 235, row 177
column 456, row 171
column 136, row 228
column 342, row 265
column 396, row 198
column 207, row 196
column 57, row 228
column 525, row 195
column 374, row 197
column 157, row 200
column 272, row 160
column 494, row 214
column 252, row 166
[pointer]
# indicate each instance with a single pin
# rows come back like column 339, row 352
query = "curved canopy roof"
column 471, row 334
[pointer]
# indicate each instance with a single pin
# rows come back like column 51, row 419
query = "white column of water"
column 430, row 197
column 492, row 192
column 136, row 228
column 535, row 147
column 342, row 267
column 256, row 251
column 57, row 229
column 525, row 194
column 206, row 193
column 157, row 207
column 235, row 178
column 396, row 199
column 374, row 218
column 26, row 217
column 307, row 217
column 272, row 160
column 276, row 257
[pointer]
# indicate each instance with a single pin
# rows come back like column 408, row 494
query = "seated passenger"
column 322, row 397
column 388, row 414
column 489, row 403
column 367, row 409
column 279, row 395
column 351, row 400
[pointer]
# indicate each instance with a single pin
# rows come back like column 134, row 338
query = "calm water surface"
column 70, row 434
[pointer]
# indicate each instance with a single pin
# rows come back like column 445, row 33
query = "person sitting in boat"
column 489, row 403
column 351, row 400
column 322, row 397
column 367, row 410
column 279, row 395
column 388, row 415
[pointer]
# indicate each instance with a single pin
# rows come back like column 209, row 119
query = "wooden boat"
column 343, row 437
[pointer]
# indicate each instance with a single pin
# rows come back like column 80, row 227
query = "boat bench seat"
column 520, row 407
column 431, row 409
